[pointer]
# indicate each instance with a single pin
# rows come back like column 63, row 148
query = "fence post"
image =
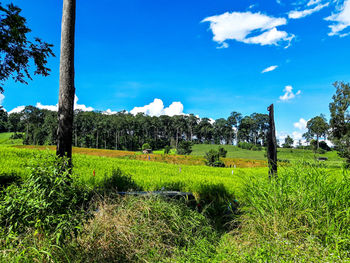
column 272, row 144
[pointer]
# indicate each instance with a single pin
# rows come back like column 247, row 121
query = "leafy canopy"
column 16, row 51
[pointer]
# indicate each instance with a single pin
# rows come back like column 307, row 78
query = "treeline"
column 128, row 132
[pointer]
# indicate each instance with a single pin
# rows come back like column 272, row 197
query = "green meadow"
column 303, row 215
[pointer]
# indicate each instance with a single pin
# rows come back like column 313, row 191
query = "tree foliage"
column 340, row 119
column 288, row 142
column 317, row 127
column 17, row 51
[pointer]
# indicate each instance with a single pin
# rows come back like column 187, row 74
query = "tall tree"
column 340, row 119
column 288, row 142
column 318, row 127
column 67, row 88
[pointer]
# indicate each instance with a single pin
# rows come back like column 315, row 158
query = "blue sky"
column 206, row 56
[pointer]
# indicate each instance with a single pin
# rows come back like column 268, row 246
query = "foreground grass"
column 301, row 216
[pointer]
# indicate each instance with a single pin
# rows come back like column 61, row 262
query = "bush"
column 222, row 152
column 16, row 136
column 184, row 148
column 146, row 146
column 167, row 149
column 323, row 145
column 212, row 158
column 47, row 201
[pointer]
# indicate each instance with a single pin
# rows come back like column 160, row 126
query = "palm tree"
column 67, row 88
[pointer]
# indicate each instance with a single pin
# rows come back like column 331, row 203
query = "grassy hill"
column 282, row 154
column 5, row 139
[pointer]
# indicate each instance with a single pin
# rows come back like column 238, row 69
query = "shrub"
column 47, row 201
column 184, row 148
column 16, row 136
column 212, row 158
column 222, row 152
column 323, row 145
column 146, row 146
column 167, row 149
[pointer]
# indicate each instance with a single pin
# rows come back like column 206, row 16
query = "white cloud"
column 300, row 14
column 301, row 124
column 288, row 94
column 55, row 107
column 156, row 108
column 268, row 69
column 313, row 2
column 109, row 112
column 341, row 20
column 46, row 107
column 81, row 106
column 240, row 26
column 17, row 109
column 2, row 97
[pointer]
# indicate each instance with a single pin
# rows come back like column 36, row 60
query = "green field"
column 282, row 153
column 302, row 216
column 5, row 139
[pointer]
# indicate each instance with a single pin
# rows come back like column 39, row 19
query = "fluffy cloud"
column 240, row 26
column 17, row 109
column 109, row 112
column 55, row 107
column 156, row 108
column 341, row 20
column 303, row 13
column 301, row 124
column 289, row 94
column 2, row 97
column 268, row 69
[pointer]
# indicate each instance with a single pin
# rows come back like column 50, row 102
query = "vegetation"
column 288, row 142
column 124, row 131
column 317, row 127
column 299, row 216
column 17, row 51
column 339, row 122
column 184, row 148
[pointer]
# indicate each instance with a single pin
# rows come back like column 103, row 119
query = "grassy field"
column 282, row 154
column 5, row 139
column 303, row 216
column 147, row 175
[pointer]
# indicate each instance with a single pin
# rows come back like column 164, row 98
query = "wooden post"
column 272, row 144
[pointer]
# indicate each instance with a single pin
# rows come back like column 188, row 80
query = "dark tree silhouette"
column 16, row 51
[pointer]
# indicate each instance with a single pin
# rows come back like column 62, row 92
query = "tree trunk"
column 272, row 144
column 67, row 88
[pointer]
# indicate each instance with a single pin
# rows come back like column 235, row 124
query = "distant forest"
column 124, row 131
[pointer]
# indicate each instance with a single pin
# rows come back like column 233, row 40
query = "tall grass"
column 302, row 215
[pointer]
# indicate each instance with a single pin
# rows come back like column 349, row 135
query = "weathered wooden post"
column 272, row 144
